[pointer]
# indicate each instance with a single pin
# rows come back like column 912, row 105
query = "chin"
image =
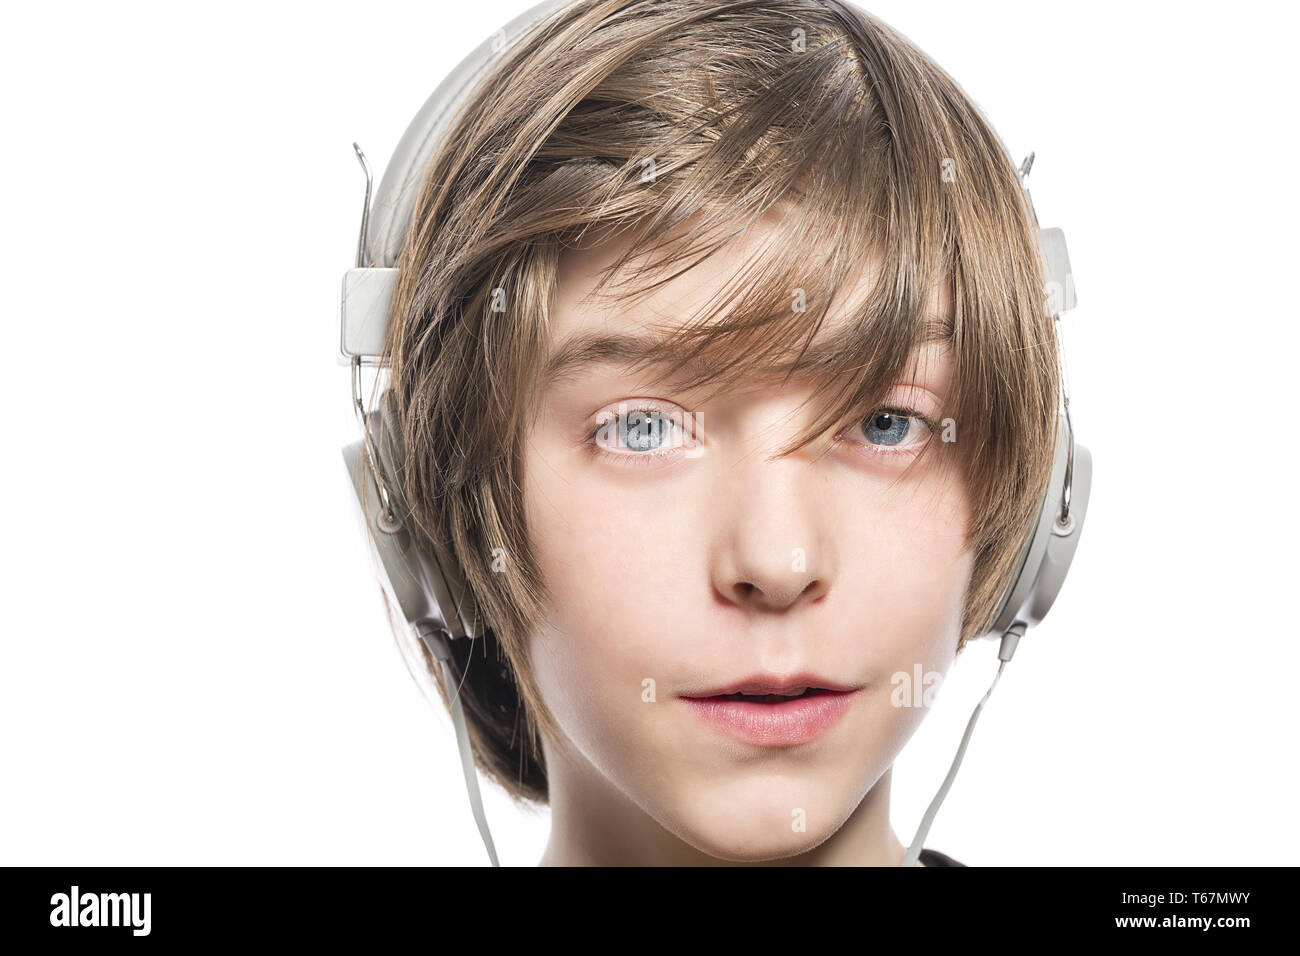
column 731, row 843
column 756, row 821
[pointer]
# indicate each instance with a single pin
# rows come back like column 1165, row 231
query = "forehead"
column 585, row 327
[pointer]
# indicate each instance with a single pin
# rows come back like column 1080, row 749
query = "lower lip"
column 786, row 724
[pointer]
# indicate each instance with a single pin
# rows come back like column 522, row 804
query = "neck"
column 593, row 823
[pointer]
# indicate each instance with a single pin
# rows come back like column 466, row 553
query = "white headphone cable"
column 436, row 640
column 1008, row 647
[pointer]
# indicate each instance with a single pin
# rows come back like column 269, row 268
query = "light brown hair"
column 809, row 107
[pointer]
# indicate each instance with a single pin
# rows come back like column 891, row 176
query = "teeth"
column 793, row 692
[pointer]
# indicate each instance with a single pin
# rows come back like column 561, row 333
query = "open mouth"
column 792, row 716
column 771, row 698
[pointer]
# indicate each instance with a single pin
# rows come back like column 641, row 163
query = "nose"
column 772, row 554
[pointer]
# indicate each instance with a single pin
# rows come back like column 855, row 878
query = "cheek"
column 615, row 562
column 913, row 570
column 611, row 556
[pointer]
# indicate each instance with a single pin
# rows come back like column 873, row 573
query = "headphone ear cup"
column 421, row 578
column 401, row 572
column 446, row 580
column 1061, row 543
column 1049, row 551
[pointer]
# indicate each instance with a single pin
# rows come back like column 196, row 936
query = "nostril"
column 815, row 591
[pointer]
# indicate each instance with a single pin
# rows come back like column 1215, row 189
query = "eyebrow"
column 585, row 349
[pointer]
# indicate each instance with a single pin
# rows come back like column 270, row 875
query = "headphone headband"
column 398, row 189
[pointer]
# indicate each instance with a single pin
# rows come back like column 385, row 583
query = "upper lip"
column 773, row 684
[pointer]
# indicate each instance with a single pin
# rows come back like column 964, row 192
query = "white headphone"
column 429, row 586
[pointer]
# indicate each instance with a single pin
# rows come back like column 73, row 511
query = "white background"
column 196, row 667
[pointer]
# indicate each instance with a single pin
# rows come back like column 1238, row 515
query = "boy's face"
column 690, row 558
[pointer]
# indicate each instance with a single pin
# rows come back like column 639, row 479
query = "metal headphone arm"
column 358, row 402
column 1064, row 523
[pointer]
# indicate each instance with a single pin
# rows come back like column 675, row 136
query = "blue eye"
column 640, row 431
column 887, row 427
column 644, row 430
